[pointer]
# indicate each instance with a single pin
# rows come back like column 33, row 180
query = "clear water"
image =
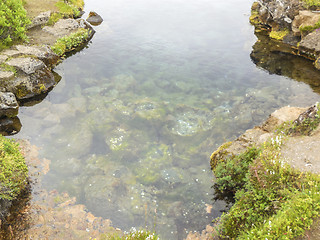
column 130, row 127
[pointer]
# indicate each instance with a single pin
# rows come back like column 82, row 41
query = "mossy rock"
column 219, row 154
column 13, row 170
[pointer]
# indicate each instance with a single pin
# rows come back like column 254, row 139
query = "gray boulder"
column 8, row 105
column 40, row 20
column 28, row 65
column 62, row 27
column 311, row 43
column 44, row 53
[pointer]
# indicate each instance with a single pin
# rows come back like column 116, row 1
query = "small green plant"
column 13, row 170
column 70, row 7
column 231, row 173
column 71, row 42
column 13, row 22
column 278, row 35
column 55, row 17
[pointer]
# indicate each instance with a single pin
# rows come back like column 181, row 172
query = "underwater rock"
column 94, row 19
column 190, row 121
column 148, row 169
column 8, row 105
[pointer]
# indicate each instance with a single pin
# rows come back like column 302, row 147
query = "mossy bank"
column 277, row 195
column 13, row 174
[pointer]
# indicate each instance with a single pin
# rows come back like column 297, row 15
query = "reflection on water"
column 271, row 56
column 131, row 125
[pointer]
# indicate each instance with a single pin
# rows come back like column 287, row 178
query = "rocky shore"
column 26, row 70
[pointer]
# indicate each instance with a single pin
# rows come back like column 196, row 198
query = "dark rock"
column 9, row 126
column 94, row 19
column 8, row 105
column 32, row 85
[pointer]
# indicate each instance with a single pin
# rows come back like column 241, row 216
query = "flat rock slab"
column 11, row 53
column 4, row 75
column 62, row 27
column 28, row 65
column 44, row 53
column 3, row 58
column 8, row 105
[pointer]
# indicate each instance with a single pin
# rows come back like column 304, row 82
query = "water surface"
column 130, row 127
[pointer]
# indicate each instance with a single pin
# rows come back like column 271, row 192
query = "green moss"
column 219, row 154
column 71, row 42
column 311, row 3
column 308, row 29
column 8, row 68
column 278, row 35
column 13, row 170
column 275, row 202
column 13, row 22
